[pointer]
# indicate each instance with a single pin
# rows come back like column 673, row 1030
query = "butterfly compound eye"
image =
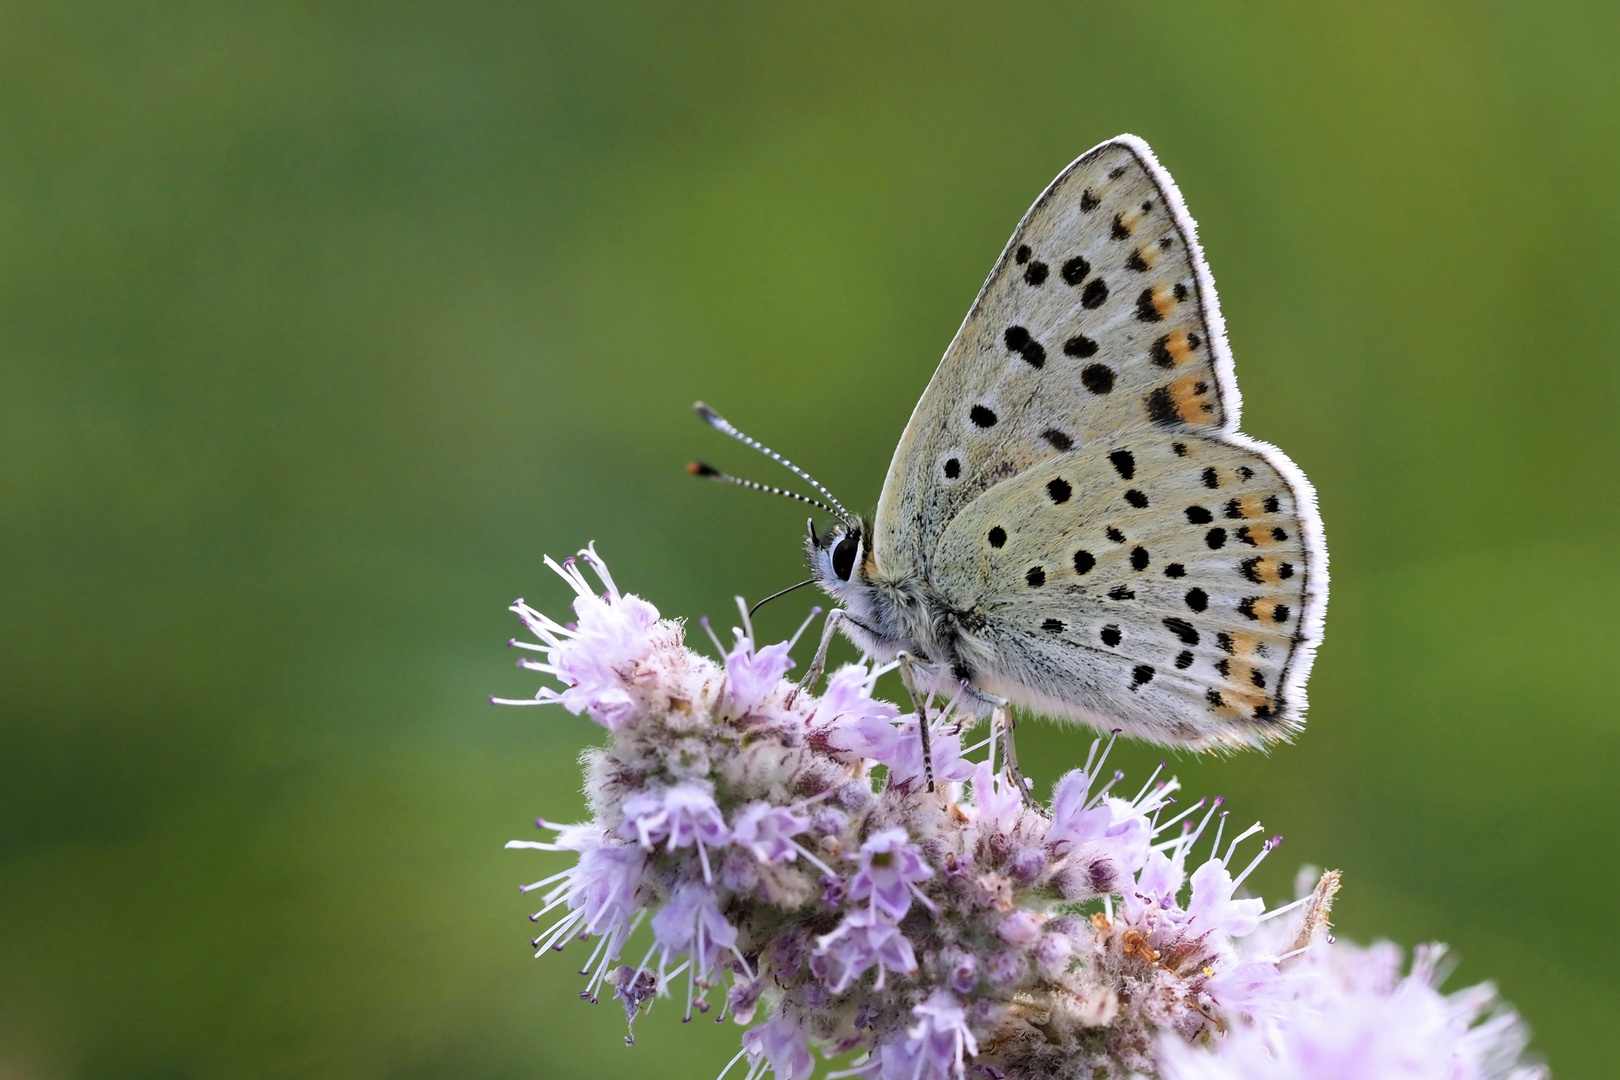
column 843, row 556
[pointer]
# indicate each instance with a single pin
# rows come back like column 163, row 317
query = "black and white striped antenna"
column 709, row 472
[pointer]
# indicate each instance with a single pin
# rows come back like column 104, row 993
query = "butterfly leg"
column 818, row 663
column 909, row 679
column 1003, row 719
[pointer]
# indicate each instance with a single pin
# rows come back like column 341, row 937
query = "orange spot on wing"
column 1192, row 399
column 1179, row 348
column 1164, row 301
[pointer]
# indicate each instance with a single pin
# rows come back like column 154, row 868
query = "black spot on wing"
column 981, row 416
column 1184, row 660
column 1021, row 256
column 1094, row 294
column 1035, row 577
column 1118, row 229
column 1098, row 378
column 1197, row 515
column 1080, row 347
column 1161, row 407
column 997, row 536
column 1110, row 635
column 1122, row 592
column 1197, row 598
column 1059, row 490
column 1058, row 439
column 1053, row 626
column 1215, row 538
column 1114, row 534
column 1145, row 311
column 1074, row 271
column 1083, row 562
column 1088, row 201
column 1018, row 340
column 1124, row 463
column 1139, row 558
column 1161, row 353
column 953, row 469
column 1035, row 273
column 1141, row 675
column 1211, row 478
column 1175, row 569
column 1183, row 630
column 1136, row 499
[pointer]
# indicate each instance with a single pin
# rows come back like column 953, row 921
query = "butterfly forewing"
column 1098, row 318
column 1163, row 586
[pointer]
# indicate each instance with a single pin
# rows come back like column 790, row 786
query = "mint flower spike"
column 747, row 841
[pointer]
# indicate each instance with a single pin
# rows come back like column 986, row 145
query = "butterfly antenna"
column 709, row 472
column 724, row 426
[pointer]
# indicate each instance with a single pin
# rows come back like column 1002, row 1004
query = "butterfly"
column 1072, row 522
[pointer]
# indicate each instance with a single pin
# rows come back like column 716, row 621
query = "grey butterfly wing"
column 1099, row 330
column 1165, row 586
column 1099, row 317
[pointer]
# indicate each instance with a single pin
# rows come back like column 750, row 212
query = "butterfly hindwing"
column 1099, row 317
column 1167, row 586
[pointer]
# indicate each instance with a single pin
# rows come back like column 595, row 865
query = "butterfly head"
column 840, row 558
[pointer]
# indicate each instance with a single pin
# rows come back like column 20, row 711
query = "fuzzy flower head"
column 751, row 844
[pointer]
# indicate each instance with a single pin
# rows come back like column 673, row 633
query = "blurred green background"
column 321, row 323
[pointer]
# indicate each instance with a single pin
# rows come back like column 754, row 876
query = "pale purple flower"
column 754, row 673
column 768, row 831
column 684, row 815
column 1212, row 906
column 864, row 939
column 1020, row 927
column 782, row 1043
column 691, row 923
column 963, row 968
column 890, row 867
column 848, row 699
column 600, row 892
column 936, row 1047
column 865, row 734
column 906, row 764
column 1052, row 954
column 594, row 657
column 604, row 888
column 997, row 798
column 1094, row 826
column 1355, row 1018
